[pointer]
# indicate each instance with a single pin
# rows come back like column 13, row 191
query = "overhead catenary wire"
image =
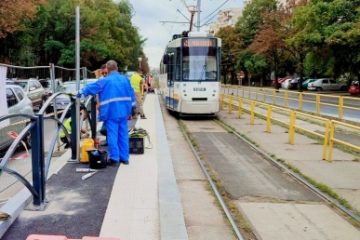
column 213, row 12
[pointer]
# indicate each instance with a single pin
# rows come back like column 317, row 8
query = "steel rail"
column 213, row 186
column 296, row 176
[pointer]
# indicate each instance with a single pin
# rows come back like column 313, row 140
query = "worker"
column 115, row 99
column 67, row 124
column 137, row 84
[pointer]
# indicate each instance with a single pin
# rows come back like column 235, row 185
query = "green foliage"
column 329, row 26
column 106, row 33
column 251, row 19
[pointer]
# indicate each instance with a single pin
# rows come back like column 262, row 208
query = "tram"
column 190, row 74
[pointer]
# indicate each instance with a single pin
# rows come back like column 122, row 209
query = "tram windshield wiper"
column 203, row 71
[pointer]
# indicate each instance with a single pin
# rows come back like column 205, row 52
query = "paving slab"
column 133, row 210
column 284, row 221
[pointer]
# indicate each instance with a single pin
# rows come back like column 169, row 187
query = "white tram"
column 190, row 74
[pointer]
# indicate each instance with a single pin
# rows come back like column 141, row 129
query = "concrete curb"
column 172, row 224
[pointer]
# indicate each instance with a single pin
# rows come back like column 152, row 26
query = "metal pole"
column 198, row 16
column 37, row 157
column 77, row 102
column 53, row 88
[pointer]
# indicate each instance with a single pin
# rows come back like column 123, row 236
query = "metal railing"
column 338, row 107
column 40, row 164
column 265, row 111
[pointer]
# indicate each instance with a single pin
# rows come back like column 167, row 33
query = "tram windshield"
column 199, row 64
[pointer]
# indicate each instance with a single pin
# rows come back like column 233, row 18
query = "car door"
column 334, row 85
column 13, row 108
column 325, row 84
column 35, row 92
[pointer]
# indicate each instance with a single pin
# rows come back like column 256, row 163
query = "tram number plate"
column 199, row 89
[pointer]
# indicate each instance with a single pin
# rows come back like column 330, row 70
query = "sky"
column 149, row 13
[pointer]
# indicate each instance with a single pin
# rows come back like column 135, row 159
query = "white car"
column 326, row 84
column 286, row 84
column 18, row 102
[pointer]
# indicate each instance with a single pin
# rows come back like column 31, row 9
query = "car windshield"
column 69, row 88
column 22, row 84
column 46, row 84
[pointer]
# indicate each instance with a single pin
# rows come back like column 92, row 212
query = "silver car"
column 34, row 91
column 17, row 102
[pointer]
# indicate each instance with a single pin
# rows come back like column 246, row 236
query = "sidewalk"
column 341, row 175
column 136, row 201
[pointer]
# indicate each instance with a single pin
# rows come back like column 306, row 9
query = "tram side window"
column 177, row 65
column 171, row 69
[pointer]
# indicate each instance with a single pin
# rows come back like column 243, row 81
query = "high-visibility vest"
column 67, row 125
column 135, row 82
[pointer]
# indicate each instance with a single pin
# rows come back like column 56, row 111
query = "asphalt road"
column 309, row 104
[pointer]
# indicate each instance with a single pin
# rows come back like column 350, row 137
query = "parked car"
column 34, row 91
column 17, row 102
column 286, row 83
column 326, row 84
column 48, row 85
column 306, row 82
column 70, row 88
column 354, row 88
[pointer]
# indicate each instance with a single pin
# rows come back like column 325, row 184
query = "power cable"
column 215, row 11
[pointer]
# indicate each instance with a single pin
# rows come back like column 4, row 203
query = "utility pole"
column 198, row 16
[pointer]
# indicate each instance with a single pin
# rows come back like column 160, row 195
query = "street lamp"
column 140, row 59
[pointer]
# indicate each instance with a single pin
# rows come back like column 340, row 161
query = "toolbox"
column 136, row 145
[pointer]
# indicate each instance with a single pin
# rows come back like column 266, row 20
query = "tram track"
column 231, row 213
column 296, row 176
column 212, row 184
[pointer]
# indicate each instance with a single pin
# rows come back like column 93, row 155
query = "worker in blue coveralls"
column 116, row 98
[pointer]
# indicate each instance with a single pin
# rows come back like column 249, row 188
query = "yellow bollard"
column 341, row 107
column 231, row 103
column 240, row 107
column 268, row 119
column 292, row 127
column 286, row 98
column 243, row 92
column 252, row 113
column 331, row 141
column 318, row 104
column 300, row 102
column 326, row 139
column 274, row 97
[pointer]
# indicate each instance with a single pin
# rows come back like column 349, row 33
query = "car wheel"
column 319, row 89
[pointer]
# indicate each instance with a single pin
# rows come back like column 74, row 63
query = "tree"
column 329, row 29
column 252, row 18
column 15, row 13
column 232, row 45
column 248, row 26
column 106, row 33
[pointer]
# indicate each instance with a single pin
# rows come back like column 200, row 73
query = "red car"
column 354, row 88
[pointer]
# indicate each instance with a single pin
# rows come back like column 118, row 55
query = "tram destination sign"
column 199, row 42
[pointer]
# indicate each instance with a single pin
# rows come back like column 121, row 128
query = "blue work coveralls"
column 116, row 97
